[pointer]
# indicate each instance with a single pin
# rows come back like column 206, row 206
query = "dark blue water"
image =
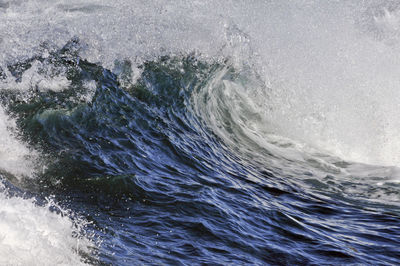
column 162, row 186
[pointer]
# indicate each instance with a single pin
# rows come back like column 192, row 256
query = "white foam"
column 34, row 235
column 15, row 157
column 40, row 77
column 337, row 83
column 90, row 91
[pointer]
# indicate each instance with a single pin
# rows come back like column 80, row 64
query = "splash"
column 32, row 234
column 15, row 157
column 331, row 67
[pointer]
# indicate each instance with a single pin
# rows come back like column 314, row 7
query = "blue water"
column 162, row 185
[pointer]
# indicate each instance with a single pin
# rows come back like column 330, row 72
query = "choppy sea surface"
column 199, row 132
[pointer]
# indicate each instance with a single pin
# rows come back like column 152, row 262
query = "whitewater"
column 199, row 132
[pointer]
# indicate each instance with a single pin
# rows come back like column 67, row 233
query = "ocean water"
column 199, row 132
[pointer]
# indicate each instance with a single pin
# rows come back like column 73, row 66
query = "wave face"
column 199, row 132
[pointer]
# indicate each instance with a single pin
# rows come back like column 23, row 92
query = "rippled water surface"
column 199, row 133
